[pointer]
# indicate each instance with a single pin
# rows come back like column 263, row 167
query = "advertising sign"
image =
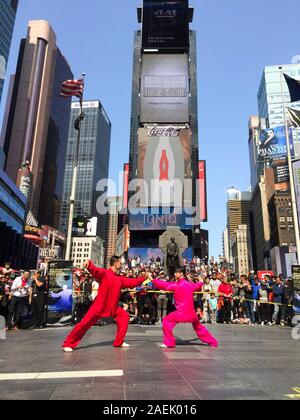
column 60, row 290
column 166, row 25
column 296, row 277
column 24, row 181
column 296, row 167
column 146, row 254
column 160, row 219
column 282, row 173
column 85, row 227
column 164, row 163
column 272, row 144
column 296, row 282
column 165, row 89
column 203, row 190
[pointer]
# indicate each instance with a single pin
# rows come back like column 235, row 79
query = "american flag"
column 72, row 88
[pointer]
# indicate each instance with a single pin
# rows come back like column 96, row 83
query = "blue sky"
column 236, row 39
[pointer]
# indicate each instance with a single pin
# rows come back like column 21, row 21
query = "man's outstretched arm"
column 96, row 272
column 164, row 285
column 132, row 283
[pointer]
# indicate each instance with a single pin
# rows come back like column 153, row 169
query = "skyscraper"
column 8, row 11
column 94, row 154
column 164, row 120
column 38, row 121
column 114, row 205
column 238, row 214
column 269, row 97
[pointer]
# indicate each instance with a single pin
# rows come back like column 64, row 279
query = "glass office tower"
column 8, row 11
column 94, row 154
column 36, row 127
column 270, row 100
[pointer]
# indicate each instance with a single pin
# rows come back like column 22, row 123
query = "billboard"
column 203, row 191
column 85, row 227
column 146, row 254
column 272, row 144
column 165, row 89
column 296, row 285
column 296, row 167
column 160, row 219
column 166, row 25
column 60, row 290
column 164, row 163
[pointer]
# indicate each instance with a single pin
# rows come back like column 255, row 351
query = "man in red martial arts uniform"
column 106, row 304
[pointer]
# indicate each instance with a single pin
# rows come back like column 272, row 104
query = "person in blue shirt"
column 278, row 292
column 256, row 286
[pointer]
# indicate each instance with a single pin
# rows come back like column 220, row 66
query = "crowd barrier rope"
column 164, row 292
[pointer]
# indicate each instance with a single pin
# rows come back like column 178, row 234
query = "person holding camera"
column 38, row 299
column 20, row 292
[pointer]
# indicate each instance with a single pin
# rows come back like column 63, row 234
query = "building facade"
column 241, row 250
column 37, row 124
column 281, row 221
column 94, row 154
column 238, row 209
column 20, row 252
column 8, row 11
column 238, row 214
column 84, row 249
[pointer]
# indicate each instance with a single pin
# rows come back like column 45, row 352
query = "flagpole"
column 292, row 181
column 72, row 200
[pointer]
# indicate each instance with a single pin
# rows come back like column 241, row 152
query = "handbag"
column 3, row 301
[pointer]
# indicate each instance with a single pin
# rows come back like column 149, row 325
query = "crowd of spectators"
column 225, row 297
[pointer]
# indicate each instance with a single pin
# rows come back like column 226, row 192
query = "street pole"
column 289, row 156
column 72, row 200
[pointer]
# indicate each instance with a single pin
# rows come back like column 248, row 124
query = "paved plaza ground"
column 251, row 363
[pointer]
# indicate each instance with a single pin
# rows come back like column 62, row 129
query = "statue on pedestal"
column 173, row 261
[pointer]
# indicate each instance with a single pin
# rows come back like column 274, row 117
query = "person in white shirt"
column 19, row 297
column 215, row 283
column 95, row 286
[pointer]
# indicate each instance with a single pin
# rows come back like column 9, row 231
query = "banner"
column 60, row 290
column 263, row 274
column 203, row 191
column 296, row 283
column 296, row 170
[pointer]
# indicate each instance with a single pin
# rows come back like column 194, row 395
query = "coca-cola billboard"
column 164, row 164
column 165, row 131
